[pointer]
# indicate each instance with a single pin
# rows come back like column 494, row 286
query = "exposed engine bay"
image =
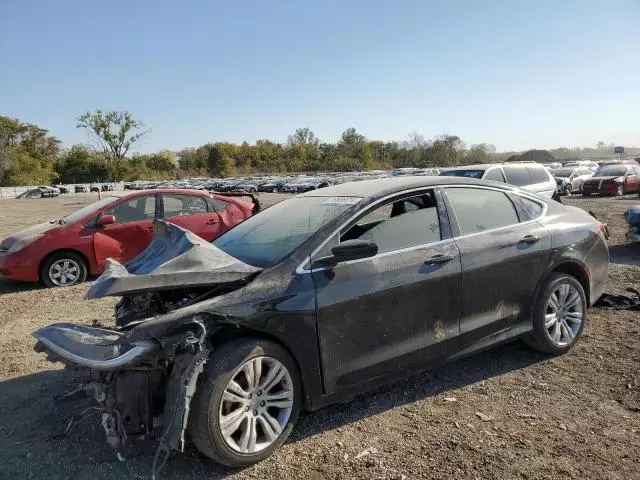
column 136, row 308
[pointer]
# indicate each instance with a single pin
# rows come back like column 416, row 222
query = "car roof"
column 155, row 191
column 384, row 186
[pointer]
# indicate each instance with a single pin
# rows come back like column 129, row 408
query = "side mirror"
column 107, row 220
column 349, row 250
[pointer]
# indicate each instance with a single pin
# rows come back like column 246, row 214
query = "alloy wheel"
column 64, row 272
column 564, row 314
column 256, row 405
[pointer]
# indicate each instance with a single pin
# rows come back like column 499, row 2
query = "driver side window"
column 135, row 210
column 399, row 224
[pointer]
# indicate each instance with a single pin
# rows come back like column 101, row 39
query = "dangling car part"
column 322, row 297
column 632, row 216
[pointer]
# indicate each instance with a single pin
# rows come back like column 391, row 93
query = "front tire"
column 620, row 191
column 63, row 269
column 247, row 403
column 559, row 315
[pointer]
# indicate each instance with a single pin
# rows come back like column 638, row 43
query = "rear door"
column 191, row 212
column 633, row 179
column 504, row 252
column 381, row 314
column 131, row 233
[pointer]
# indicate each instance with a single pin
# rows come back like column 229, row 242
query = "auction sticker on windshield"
column 341, row 200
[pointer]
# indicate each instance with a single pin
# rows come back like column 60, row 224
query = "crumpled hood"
column 40, row 228
column 175, row 258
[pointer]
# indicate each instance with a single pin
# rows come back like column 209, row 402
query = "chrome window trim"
column 510, row 189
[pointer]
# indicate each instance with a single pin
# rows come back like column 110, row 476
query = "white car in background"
column 593, row 166
column 571, row 179
column 530, row 176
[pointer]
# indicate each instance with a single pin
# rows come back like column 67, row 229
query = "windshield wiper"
column 60, row 222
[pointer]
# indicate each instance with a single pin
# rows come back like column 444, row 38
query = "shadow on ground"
column 11, row 286
column 625, row 254
column 32, row 422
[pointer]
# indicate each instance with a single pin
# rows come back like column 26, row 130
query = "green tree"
column 79, row 165
column 113, row 133
column 355, row 150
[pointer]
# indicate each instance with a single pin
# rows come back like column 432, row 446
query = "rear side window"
column 218, row 205
column 518, row 176
column 495, row 174
column 180, row 205
column 533, row 209
column 538, row 174
column 478, row 210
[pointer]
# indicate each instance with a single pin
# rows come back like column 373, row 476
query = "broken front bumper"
column 94, row 348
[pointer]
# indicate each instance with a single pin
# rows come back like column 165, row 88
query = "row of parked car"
column 612, row 177
column 275, row 184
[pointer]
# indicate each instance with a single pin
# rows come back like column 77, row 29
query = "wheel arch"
column 62, row 250
column 226, row 334
column 573, row 268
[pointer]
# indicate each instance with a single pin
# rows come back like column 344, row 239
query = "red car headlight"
column 23, row 242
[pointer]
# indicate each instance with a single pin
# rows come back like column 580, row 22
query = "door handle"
column 212, row 221
column 438, row 259
column 530, row 239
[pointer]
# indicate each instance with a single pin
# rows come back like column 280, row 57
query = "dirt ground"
column 506, row 413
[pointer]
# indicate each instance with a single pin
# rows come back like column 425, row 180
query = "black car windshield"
column 88, row 210
column 564, row 173
column 610, row 171
column 270, row 236
column 463, row 173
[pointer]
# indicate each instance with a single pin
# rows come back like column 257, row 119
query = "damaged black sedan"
column 324, row 296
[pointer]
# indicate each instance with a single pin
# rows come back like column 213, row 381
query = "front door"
column 380, row 314
column 130, row 234
column 503, row 257
column 193, row 213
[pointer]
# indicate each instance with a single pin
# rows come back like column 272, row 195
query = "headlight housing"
column 23, row 242
column 618, row 180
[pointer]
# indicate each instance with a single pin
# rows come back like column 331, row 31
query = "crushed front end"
column 143, row 371
column 143, row 389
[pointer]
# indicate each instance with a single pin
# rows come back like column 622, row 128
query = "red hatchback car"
column 65, row 251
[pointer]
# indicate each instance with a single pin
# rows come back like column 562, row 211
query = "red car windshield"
column 88, row 210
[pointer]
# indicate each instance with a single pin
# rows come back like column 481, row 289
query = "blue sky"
column 513, row 73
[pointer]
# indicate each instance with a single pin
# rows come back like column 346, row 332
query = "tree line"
column 30, row 155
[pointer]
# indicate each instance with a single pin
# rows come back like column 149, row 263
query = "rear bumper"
column 17, row 266
column 597, row 263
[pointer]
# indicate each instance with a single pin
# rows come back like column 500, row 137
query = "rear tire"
column 559, row 315
column 63, row 269
column 254, row 429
